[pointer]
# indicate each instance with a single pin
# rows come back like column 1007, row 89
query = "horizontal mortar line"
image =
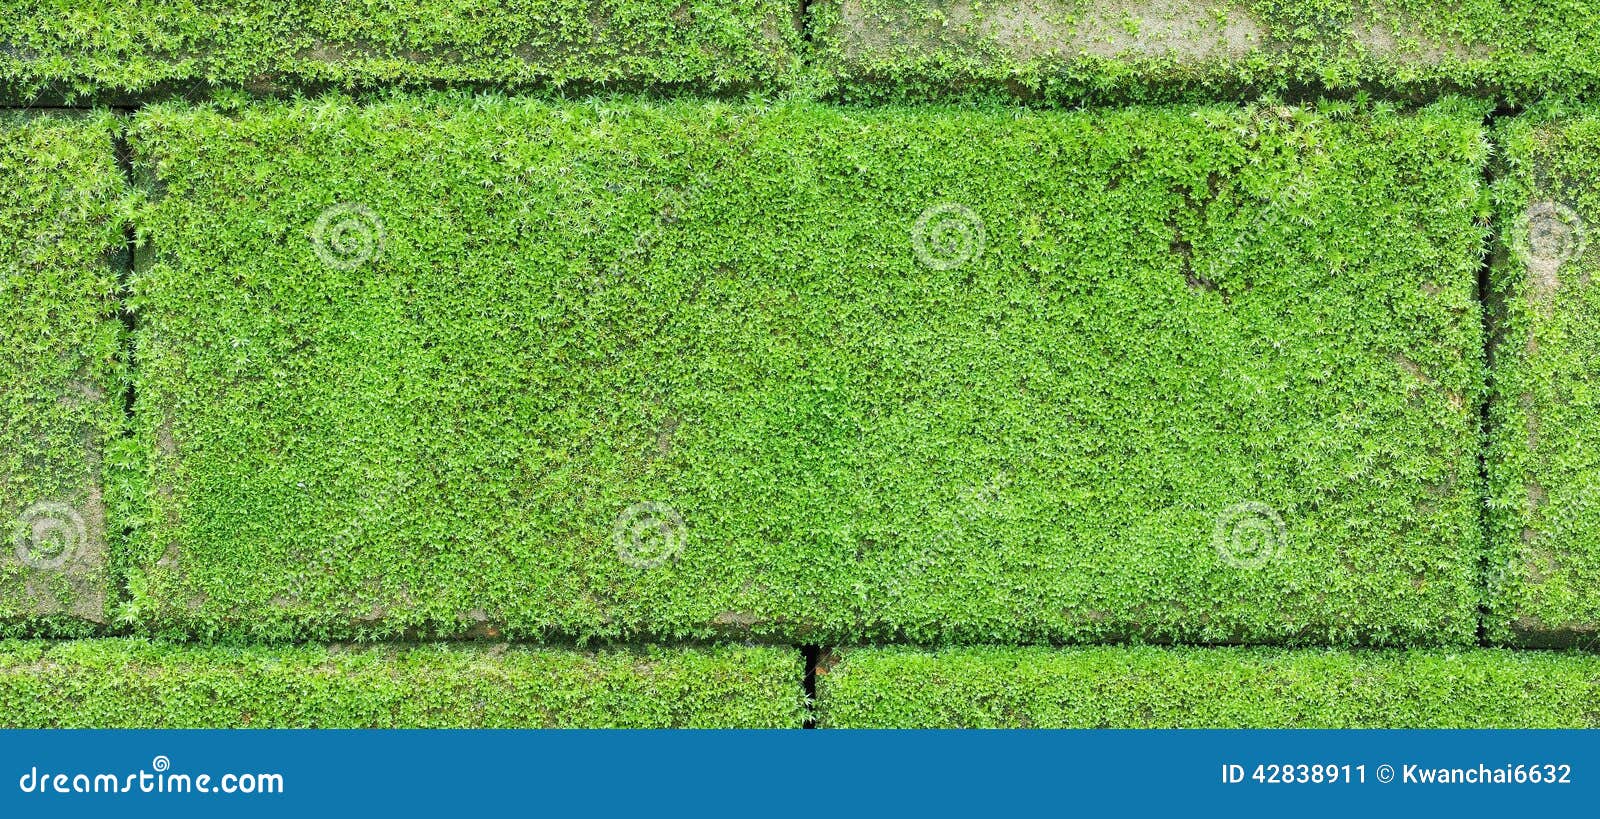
column 22, row 630
column 1306, row 94
column 931, row 648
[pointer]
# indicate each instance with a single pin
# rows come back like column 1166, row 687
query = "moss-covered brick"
column 113, row 50
column 61, row 378
column 1150, row 687
column 449, row 365
column 115, row 683
column 1067, row 51
column 1543, row 572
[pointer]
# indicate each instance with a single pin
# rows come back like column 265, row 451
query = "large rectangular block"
column 51, row 49
column 136, row 684
column 795, row 373
column 61, row 378
column 1544, row 457
column 1055, row 51
column 1149, row 687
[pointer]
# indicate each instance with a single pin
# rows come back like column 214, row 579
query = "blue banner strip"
column 792, row 773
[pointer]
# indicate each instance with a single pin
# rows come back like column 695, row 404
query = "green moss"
column 116, row 50
column 1179, row 326
column 1544, row 454
column 1118, row 687
column 61, row 380
column 1064, row 51
column 136, row 684
column 1048, row 51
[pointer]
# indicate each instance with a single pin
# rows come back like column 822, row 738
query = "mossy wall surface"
column 1045, row 52
column 824, row 326
column 618, row 370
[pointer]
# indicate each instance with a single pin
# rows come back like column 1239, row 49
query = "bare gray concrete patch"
column 1033, row 31
column 1404, row 39
column 61, row 399
column 56, row 559
column 54, row 546
column 1544, row 504
column 1051, row 28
